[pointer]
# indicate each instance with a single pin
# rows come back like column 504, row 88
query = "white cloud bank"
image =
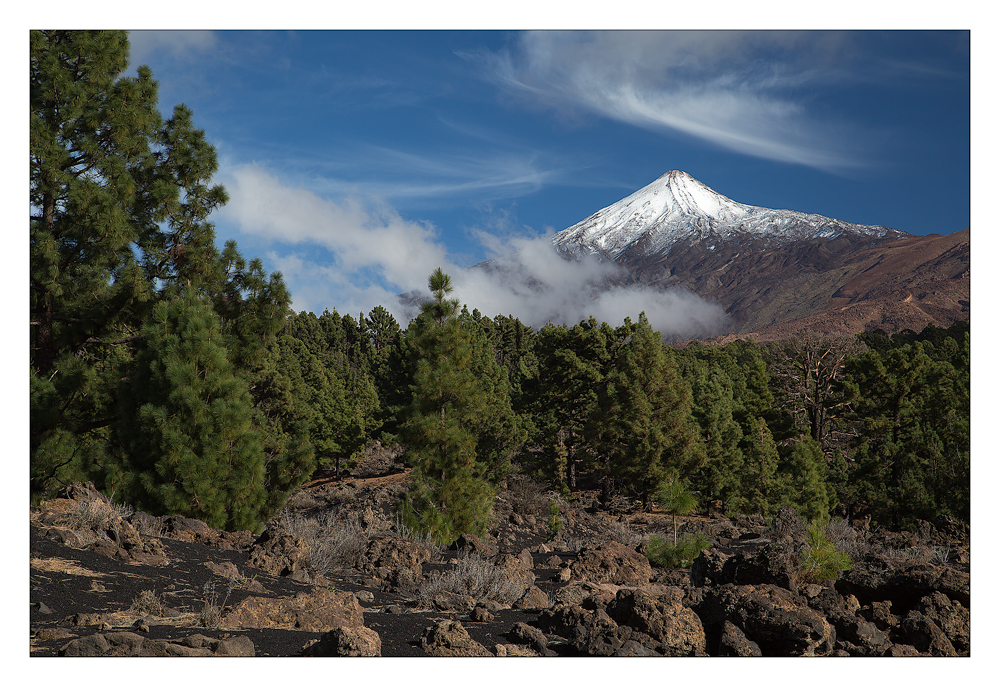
column 376, row 255
column 742, row 91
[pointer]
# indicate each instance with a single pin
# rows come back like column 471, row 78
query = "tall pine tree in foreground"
column 186, row 424
column 449, row 494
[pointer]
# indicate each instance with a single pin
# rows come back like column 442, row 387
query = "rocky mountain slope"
column 777, row 271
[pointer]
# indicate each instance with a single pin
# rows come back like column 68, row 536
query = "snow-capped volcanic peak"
column 677, row 207
column 682, row 194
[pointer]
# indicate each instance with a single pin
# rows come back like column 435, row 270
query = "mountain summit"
column 676, row 208
column 775, row 271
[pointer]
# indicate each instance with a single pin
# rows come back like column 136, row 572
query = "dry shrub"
column 527, row 496
column 147, row 603
column 422, row 539
column 334, row 543
column 100, row 516
column 211, row 612
column 621, row 532
column 474, row 576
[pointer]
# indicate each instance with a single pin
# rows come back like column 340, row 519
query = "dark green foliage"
column 719, row 478
column 555, row 522
column 120, row 201
column 642, row 426
column 760, row 489
column 500, row 432
column 95, row 195
column 673, row 496
column 449, row 493
column 186, row 423
column 806, row 488
column 820, row 559
column 912, row 455
column 679, row 554
column 572, row 364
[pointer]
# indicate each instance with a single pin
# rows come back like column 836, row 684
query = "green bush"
column 555, row 522
column 664, row 554
column 821, row 560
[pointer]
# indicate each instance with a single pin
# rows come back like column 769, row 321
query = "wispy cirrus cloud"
column 420, row 177
column 746, row 92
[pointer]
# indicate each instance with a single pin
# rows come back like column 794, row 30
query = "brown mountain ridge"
column 844, row 285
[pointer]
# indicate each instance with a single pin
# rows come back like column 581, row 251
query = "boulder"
column 198, row 532
column 533, row 598
column 83, row 518
column 519, row 568
column 734, row 643
column 280, row 553
column 515, row 650
column 707, row 568
column 346, row 641
column 775, row 618
column 131, row 644
column 876, row 577
column 924, row 635
column 577, row 593
column 951, row 617
column 676, row 629
column 613, row 562
column 614, row 640
column 573, row 621
column 481, row 614
column 397, row 563
column 451, row 601
column 525, row 634
column 857, row 636
column 450, row 638
column 319, row 611
column 880, row 614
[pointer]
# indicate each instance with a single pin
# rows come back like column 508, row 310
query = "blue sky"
column 358, row 161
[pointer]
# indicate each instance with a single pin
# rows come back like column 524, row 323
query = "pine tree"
column 499, row 432
column 713, row 406
column 449, row 494
column 91, row 204
column 805, row 478
column 186, row 425
column 643, row 424
column 673, row 496
column 759, row 487
column 572, row 364
column 120, row 201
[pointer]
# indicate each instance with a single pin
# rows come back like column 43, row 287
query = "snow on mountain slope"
column 677, row 207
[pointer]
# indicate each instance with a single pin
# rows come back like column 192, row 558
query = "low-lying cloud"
column 356, row 254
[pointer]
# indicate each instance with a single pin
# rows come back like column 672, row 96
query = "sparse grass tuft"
column 147, row 603
column 211, row 612
column 100, row 516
